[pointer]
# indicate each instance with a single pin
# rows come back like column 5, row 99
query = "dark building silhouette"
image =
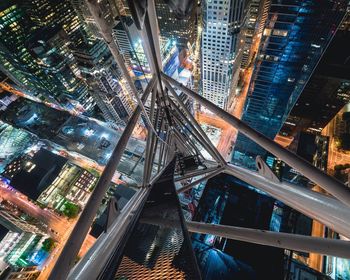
column 228, row 201
column 37, row 173
column 327, row 91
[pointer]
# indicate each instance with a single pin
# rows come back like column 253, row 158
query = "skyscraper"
column 183, row 31
column 16, row 60
column 327, row 91
column 104, row 78
column 251, row 29
column 293, row 41
column 222, row 21
column 19, row 240
column 34, row 52
column 84, row 15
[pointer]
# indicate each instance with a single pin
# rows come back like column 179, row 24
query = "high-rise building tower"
column 327, row 91
column 35, row 55
column 84, row 15
column 16, row 60
column 53, row 13
column 293, row 41
column 250, row 30
column 104, row 78
column 19, row 239
column 222, row 21
column 182, row 31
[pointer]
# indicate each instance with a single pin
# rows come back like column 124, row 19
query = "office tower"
column 182, row 31
column 130, row 46
column 107, row 86
column 51, row 13
column 222, row 202
column 327, row 91
column 129, row 42
column 19, row 240
column 33, row 175
column 15, row 223
column 48, row 47
column 222, row 21
column 34, row 54
column 250, row 29
column 81, row 9
column 13, row 143
column 27, row 273
column 292, row 43
column 16, row 60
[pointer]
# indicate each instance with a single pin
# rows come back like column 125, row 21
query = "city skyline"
column 129, row 131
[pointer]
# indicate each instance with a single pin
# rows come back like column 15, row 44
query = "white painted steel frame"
column 326, row 182
column 296, row 242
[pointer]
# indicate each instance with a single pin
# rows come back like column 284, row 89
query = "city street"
column 226, row 131
column 335, row 156
column 54, row 221
column 52, row 259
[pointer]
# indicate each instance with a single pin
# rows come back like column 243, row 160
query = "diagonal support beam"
column 150, row 139
column 328, row 183
column 180, row 144
column 194, row 133
column 207, row 177
column 296, row 242
column 209, row 145
column 325, row 209
column 187, row 141
column 195, row 173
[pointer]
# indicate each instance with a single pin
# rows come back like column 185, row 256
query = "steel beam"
column 67, row 257
column 150, row 138
column 190, row 145
column 195, row 173
column 159, row 118
column 93, row 263
column 194, row 134
column 207, row 177
column 162, row 145
column 296, row 242
column 325, row 209
column 328, row 183
column 169, row 149
column 184, row 149
column 151, row 31
column 209, row 145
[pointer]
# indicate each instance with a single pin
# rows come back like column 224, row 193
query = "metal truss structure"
column 175, row 135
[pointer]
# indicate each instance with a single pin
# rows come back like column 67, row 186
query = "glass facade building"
column 295, row 36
